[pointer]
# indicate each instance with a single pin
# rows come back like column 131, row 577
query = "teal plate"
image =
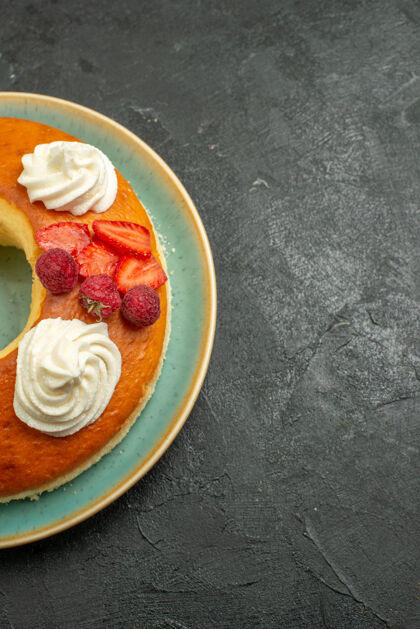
column 193, row 285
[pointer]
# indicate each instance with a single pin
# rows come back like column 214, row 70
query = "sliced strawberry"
column 96, row 259
column 72, row 237
column 133, row 271
column 128, row 239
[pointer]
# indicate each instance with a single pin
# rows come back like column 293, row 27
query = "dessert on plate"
column 76, row 378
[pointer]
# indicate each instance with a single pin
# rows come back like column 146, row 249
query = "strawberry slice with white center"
column 72, row 237
column 134, row 271
column 129, row 239
column 96, row 259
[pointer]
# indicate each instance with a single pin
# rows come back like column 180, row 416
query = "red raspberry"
column 99, row 295
column 57, row 271
column 141, row 306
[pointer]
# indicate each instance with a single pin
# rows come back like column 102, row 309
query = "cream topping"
column 69, row 176
column 66, row 374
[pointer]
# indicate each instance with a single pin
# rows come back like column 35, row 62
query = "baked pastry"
column 32, row 461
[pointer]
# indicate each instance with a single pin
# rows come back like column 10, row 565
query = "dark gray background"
column 290, row 498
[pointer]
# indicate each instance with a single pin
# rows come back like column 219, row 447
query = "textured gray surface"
column 290, row 498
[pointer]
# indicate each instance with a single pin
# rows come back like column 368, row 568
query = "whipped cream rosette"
column 66, row 374
column 69, row 177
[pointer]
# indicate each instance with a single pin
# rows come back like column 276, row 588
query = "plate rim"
column 205, row 349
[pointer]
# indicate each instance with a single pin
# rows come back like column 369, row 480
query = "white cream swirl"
column 69, row 177
column 66, row 374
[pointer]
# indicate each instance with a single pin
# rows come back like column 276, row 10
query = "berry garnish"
column 96, row 259
column 141, row 306
column 99, row 295
column 127, row 239
column 72, row 237
column 57, row 271
column 133, row 271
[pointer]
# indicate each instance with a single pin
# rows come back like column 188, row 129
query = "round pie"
column 32, row 461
